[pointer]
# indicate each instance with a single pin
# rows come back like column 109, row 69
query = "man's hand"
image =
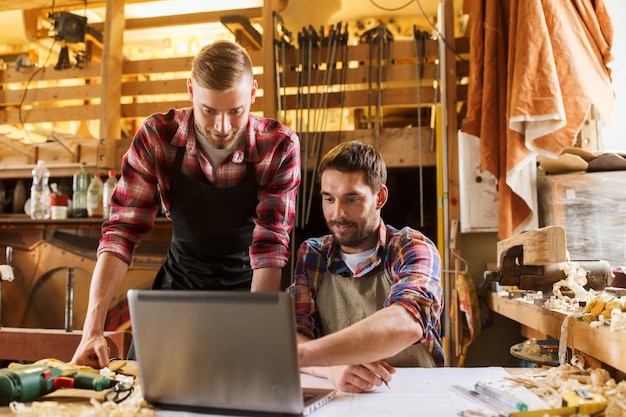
column 92, row 352
column 359, row 378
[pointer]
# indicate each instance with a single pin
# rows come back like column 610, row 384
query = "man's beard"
column 358, row 233
column 231, row 143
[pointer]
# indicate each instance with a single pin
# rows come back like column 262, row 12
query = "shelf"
column 22, row 221
column 598, row 343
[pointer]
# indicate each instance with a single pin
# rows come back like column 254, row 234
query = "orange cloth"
column 537, row 69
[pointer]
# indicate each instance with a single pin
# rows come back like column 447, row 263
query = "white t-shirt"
column 354, row 259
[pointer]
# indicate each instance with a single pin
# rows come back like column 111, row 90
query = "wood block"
column 543, row 246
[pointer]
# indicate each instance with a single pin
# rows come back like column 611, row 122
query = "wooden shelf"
column 598, row 343
column 24, row 222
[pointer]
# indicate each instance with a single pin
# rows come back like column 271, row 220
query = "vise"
column 513, row 272
column 537, row 259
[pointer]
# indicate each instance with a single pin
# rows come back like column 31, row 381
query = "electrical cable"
column 19, row 109
column 391, row 10
column 443, row 38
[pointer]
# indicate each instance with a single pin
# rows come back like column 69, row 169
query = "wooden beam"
column 270, row 101
column 58, row 4
column 183, row 19
column 110, row 110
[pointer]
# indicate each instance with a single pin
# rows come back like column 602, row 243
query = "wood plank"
column 157, row 65
column 360, row 98
column 400, row 147
column 399, row 49
column 543, row 246
column 392, row 75
column 360, row 75
column 89, row 70
column 140, row 88
column 49, row 114
column 50, row 94
column 400, row 52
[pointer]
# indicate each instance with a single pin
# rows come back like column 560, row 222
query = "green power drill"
column 27, row 382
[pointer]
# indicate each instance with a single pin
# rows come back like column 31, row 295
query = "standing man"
column 368, row 297
column 227, row 179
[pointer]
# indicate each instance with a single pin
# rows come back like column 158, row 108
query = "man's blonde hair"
column 221, row 66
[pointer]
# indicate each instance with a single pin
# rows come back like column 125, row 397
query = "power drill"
column 27, row 382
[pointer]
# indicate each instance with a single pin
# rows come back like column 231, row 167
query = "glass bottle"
column 107, row 193
column 94, row 196
column 80, row 182
column 40, row 192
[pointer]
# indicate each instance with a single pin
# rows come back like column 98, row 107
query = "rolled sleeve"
column 416, row 271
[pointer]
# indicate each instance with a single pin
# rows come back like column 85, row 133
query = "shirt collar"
column 336, row 265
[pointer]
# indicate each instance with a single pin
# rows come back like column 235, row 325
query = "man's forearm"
column 381, row 335
column 107, row 278
column 266, row 280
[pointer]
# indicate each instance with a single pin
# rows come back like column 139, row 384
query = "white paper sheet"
column 412, row 392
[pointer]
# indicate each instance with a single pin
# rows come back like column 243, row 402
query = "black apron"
column 212, row 233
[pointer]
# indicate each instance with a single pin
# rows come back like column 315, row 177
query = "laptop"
column 220, row 352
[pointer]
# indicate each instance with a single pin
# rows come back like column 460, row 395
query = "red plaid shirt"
column 144, row 186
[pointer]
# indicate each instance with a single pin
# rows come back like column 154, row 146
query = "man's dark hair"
column 356, row 156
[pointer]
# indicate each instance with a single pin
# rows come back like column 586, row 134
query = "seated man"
column 368, row 297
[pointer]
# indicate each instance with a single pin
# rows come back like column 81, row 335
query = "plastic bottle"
column 40, row 192
column 80, row 183
column 94, row 196
column 107, row 193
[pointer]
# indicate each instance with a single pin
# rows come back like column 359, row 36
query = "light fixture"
column 68, row 27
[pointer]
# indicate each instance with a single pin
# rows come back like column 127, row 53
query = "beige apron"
column 344, row 301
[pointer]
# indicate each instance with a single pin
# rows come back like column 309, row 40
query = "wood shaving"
column 551, row 384
column 133, row 406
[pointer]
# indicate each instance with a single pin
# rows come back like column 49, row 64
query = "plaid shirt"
column 144, row 186
column 409, row 257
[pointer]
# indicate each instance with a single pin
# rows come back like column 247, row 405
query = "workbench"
column 411, row 389
column 599, row 344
